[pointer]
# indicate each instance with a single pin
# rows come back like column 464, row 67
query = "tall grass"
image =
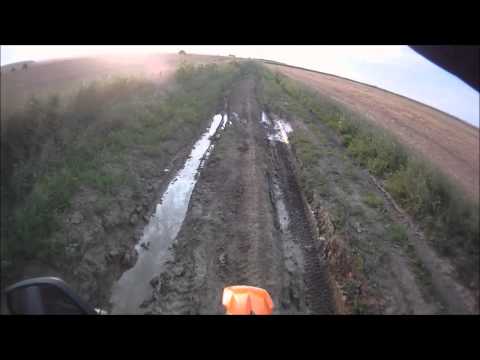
column 54, row 146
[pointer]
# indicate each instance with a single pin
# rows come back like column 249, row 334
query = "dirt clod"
column 76, row 218
column 133, row 219
column 154, row 281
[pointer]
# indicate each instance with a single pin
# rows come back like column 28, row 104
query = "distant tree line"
column 24, row 67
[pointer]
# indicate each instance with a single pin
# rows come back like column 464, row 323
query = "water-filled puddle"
column 265, row 120
column 154, row 247
column 280, row 129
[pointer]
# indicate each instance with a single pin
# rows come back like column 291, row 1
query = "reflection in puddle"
column 133, row 287
column 225, row 121
column 280, row 129
column 265, row 120
column 278, row 132
column 282, row 213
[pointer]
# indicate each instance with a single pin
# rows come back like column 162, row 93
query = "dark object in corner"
column 461, row 61
column 45, row 295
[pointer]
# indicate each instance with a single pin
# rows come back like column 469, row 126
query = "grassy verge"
column 450, row 219
column 53, row 147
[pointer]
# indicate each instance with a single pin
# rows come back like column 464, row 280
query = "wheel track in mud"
column 259, row 243
column 318, row 291
column 247, row 247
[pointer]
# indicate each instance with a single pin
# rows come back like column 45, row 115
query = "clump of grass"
column 339, row 214
column 397, row 233
column 373, row 200
column 356, row 210
column 351, row 289
column 311, row 178
column 305, row 150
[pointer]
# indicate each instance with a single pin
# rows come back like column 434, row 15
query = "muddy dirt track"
column 246, row 224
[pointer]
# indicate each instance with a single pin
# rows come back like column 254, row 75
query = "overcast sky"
column 395, row 68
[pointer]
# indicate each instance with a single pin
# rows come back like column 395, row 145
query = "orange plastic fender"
column 247, row 300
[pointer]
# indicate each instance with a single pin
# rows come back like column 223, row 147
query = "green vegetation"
column 311, row 178
column 373, row 200
column 451, row 220
column 54, row 146
column 398, row 234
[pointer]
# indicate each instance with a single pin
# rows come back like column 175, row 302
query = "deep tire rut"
column 318, row 291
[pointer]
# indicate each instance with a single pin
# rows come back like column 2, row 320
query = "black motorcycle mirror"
column 45, row 295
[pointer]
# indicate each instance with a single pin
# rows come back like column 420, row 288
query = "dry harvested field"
column 61, row 76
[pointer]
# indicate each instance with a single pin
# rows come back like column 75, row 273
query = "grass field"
column 54, row 146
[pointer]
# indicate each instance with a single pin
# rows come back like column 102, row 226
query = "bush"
column 362, row 149
column 373, row 200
